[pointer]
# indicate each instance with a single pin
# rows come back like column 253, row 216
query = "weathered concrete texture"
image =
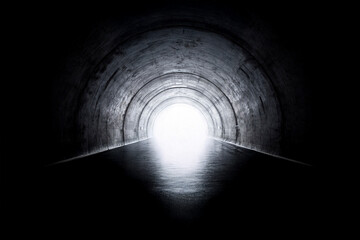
column 228, row 67
column 200, row 91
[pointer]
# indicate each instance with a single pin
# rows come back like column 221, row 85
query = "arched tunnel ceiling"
column 228, row 66
column 186, row 85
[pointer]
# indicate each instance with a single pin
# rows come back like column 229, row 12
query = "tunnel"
column 108, row 73
column 125, row 74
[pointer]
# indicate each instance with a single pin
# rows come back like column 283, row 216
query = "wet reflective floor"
column 151, row 187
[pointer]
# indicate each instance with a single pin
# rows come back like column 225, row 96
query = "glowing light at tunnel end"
column 180, row 123
column 180, row 132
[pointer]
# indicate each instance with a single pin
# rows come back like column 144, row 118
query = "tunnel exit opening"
column 180, row 123
column 180, row 132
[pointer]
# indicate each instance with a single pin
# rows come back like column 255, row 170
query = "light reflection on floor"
column 149, row 184
column 181, row 164
column 183, row 168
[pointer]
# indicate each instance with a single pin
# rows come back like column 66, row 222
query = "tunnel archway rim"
column 168, row 75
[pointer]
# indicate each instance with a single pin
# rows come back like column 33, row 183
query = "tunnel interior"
column 226, row 63
column 94, row 81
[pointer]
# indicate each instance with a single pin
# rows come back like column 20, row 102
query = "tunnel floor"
column 231, row 189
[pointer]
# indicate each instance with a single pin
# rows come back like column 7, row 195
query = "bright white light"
column 180, row 122
column 180, row 132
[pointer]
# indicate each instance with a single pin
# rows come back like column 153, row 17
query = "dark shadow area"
column 242, row 192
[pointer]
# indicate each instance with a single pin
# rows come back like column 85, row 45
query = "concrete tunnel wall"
column 228, row 66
